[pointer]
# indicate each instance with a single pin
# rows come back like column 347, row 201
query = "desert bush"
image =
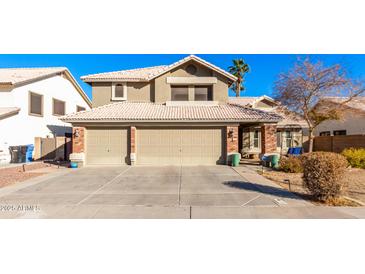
column 291, row 164
column 323, row 173
column 355, row 156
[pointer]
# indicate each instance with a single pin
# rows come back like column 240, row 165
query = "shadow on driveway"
column 269, row 190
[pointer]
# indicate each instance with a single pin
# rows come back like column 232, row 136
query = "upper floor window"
column 179, row 93
column 59, row 107
column 119, row 92
column 35, row 104
column 78, row 108
column 203, row 93
column 339, row 132
column 325, row 133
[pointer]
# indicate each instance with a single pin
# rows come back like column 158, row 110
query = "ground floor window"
column 278, row 138
column 288, row 138
column 325, row 133
column 339, row 132
column 256, row 139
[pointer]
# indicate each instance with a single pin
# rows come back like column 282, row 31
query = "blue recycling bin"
column 29, row 153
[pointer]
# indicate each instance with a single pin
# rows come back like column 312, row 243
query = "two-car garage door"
column 156, row 146
column 184, row 146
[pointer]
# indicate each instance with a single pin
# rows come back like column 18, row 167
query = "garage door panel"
column 106, row 146
column 186, row 146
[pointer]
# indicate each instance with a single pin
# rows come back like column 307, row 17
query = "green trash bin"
column 235, row 159
column 275, row 161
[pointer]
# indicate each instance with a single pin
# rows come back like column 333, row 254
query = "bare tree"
column 303, row 90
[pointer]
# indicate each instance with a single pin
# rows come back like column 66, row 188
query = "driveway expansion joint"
column 108, row 183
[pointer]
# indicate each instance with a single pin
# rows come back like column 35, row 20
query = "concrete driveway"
column 150, row 192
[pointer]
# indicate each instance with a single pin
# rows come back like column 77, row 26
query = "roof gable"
column 252, row 101
column 150, row 73
column 19, row 76
column 13, row 77
column 357, row 103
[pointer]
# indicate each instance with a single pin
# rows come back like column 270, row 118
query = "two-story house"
column 177, row 114
column 33, row 99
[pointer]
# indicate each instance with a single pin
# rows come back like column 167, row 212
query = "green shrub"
column 355, row 156
column 323, row 173
column 291, row 164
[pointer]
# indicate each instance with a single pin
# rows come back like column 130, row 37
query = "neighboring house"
column 174, row 114
column 291, row 131
column 33, row 99
column 352, row 121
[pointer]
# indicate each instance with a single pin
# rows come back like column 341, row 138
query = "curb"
column 354, row 200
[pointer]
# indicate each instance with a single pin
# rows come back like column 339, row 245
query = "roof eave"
column 15, row 111
column 78, row 87
column 168, row 121
column 86, row 80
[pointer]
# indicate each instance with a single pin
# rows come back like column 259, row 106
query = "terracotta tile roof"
column 243, row 101
column 290, row 118
column 147, row 74
column 150, row 112
column 13, row 76
column 250, row 101
column 4, row 111
column 356, row 103
column 139, row 74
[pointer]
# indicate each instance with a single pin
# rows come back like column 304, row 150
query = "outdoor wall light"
column 230, row 133
column 76, row 133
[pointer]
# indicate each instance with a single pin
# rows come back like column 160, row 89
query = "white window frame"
column 252, row 135
column 124, row 98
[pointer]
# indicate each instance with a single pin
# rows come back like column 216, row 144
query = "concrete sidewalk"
column 183, row 212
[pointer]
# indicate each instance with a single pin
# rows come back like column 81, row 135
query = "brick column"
column 268, row 138
column 231, row 141
column 133, row 145
column 78, row 142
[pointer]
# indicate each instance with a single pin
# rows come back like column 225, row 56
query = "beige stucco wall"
column 220, row 89
column 102, row 92
column 264, row 104
column 352, row 122
column 163, row 90
column 158, row 90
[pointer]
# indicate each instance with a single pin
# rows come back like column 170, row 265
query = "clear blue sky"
column 264, row 67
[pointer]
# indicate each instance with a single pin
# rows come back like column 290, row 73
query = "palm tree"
column 239, row 69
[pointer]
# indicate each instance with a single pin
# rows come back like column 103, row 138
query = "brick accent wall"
column 232, row 140
column 268, row 138
column 133, row 140
column 78, row 143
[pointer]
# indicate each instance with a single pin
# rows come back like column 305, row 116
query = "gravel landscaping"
column 11, row 175
column 354, row 179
